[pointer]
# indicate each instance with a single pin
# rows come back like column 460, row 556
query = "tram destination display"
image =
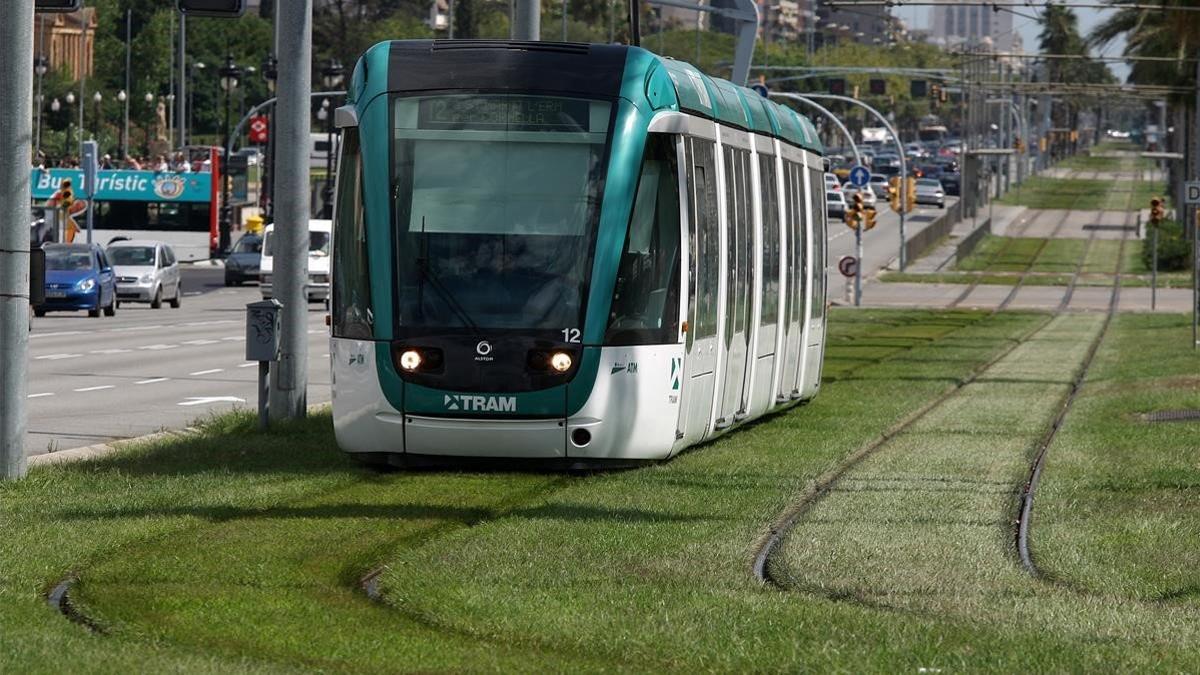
column 515, row 113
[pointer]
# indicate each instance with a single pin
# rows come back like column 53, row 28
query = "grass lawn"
column 233, row 551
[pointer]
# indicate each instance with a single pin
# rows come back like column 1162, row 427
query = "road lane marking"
column 207, row 372
column 153, row 380
column 209, row 323
column 56, row 357
column 209, row 400
column 110, row 351
column 135, row 328
column 235, row 338
column 249, row 365
column 157, row 347
column 58, row 334
column 99, row 388
column 200, row 342
column 49, row 393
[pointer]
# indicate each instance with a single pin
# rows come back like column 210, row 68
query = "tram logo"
column 480, row 403
column 484, row 350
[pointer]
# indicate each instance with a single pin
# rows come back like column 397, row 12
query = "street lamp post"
column 40, row 65
column 150, row 108
column 124, row 99
column 191, row 94
column 331, row 76
column 97, row 98
column 55, row 106
column 230, row 75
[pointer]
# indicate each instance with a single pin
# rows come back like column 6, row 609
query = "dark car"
column 242, row 264
column 951, row 182
column 78, row 276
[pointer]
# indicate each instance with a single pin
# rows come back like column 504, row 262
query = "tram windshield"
column 497, row 202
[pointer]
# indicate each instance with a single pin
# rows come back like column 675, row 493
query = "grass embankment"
column 1118, row 513
column 235, row 551
column 1050, row 262
column 924, row 528
column 1039, row 192
column 1111, row 159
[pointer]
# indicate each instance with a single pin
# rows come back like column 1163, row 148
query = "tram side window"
column 817, row 216
column 351, row 281
column 706, row 231
column 645, row 307
column 770, row 271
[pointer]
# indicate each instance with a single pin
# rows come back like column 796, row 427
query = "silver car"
column 147, row 271
column 930, row 192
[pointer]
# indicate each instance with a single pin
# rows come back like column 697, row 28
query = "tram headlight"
column 560, row 361
column 410, row 360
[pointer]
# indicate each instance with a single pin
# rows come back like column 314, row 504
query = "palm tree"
column 1154, row 33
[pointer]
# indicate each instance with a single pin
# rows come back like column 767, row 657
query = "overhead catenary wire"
column 1022, row 4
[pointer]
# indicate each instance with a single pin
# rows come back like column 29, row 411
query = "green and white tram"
column 572, row 253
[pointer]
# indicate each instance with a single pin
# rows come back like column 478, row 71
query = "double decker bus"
column 179, row 209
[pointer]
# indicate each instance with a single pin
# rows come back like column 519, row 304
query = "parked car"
column 147, row 271
column 78, row 277
column 835, row 204
column 242, row 265
column 320, row 235
column 867, row 193
column 832, row 183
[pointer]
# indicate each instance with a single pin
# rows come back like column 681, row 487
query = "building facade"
column 67, row 40
column 955, row 25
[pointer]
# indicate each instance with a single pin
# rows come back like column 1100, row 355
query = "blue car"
column 78, row 276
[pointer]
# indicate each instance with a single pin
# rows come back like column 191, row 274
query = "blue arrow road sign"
column 859, row 176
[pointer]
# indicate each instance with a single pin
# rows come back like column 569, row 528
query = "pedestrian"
column 132, row 164
column 161, row 166
column 106, row 162
column 181, row 165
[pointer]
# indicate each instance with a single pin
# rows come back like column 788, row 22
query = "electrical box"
column 263, row 319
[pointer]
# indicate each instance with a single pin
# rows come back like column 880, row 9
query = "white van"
column 320, row 238
column 319, row 148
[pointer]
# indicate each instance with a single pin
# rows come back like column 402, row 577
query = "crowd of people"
column 178, row 163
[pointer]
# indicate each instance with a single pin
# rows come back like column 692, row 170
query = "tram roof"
column 576, row 67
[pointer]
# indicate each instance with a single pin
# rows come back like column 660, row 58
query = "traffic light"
column 910, row 194
column 920, row 88
column 57, row 5
column 837, row 86
column 894, row 192
column 878, row 87
column 870, row 219
column 228, row 9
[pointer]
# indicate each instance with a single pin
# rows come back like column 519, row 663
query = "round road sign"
column 848, row 265
column 860, row 176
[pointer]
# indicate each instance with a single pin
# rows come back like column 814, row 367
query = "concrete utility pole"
column 16, row 134
column 528, row 22
column 289, row 379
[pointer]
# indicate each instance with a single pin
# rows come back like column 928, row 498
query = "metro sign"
column 259, row 129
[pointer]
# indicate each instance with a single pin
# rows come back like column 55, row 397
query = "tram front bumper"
column 456, row 437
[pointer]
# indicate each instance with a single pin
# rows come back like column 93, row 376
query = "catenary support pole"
column 1195, row 226
column 858, row 246
column 289, row 379
column 899, row 150
column 528, row 21
column 16, row 135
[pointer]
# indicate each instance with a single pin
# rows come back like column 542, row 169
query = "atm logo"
column 480, row 403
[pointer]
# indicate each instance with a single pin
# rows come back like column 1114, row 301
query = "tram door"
column 703, row 248
column 794, row 265
column 740, row 284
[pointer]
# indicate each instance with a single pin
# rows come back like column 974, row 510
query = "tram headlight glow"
column 410, row 360
column 560, row 361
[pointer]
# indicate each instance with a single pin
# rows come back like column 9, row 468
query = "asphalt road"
column 880, row 245
column 95, row 380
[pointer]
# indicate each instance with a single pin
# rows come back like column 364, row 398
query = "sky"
column 918, row 17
